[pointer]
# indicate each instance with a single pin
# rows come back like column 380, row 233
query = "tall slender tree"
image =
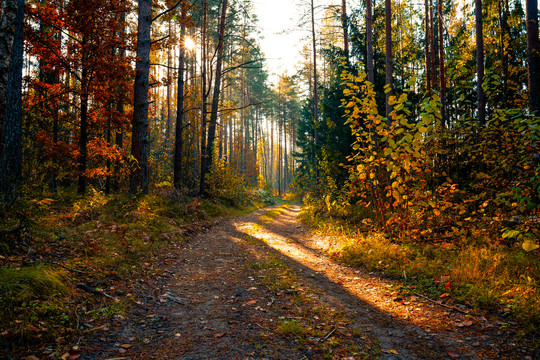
column 481, row 102
column 204, row 95
column 11, row 40
column 345, row 25
column 389, row 57
column 315, row 93
column 139, row 139
column 427, row 45
column 442, row 77
column 207, row 160
column 533, row 55
column 369, row 42
column 180, row 112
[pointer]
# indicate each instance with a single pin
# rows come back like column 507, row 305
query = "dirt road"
column 247, row 290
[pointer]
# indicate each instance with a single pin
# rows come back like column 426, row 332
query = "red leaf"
column 447, row 286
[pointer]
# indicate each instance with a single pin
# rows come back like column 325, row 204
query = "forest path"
column 250, row 290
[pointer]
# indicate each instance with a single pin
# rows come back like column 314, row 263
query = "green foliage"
column 224, row 184
column 422, row 181
column 292, row 327
column 28, row 296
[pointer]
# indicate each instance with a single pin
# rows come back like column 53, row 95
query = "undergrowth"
column 52, row 244
column 487, row 276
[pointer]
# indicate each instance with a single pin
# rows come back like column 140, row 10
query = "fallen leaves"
column 73, row 354
column 465, row 323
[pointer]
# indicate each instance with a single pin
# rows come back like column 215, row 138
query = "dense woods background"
column 420, row 121
column 126, row 96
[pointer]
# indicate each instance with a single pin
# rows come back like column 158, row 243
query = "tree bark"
column 433, row 66
column 315, row 95
column 369, row 42
column 203, row 98
column 389, row 59
column 7, row 35
column 169, row 84
column 139, row 138
column 345, row 25
column 119, row 134
column 180, row 114
column 533, row 55
column 481, row 102
column 11, row 146
column 502, row 49
column 442, row 77
column 427, row 49
column 208, row 159
column 83, row 136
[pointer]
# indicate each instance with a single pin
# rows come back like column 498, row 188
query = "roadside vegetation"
column 480, row 275
column 69, row 263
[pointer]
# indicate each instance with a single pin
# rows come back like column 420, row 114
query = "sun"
column 189, row 44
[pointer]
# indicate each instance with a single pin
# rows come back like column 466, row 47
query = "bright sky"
column 278, row 20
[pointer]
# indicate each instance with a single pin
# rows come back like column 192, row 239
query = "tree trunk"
column 345, row 25
column 315, row 94
column 11, row 104
column 207, row 163
column 502, row 50
column 427, row 49
column 179, row 141
column 433, row 67
column 83, row 136
column 139, row 138
column 533, row 55
column 203, row 98
column 169, row 84
column 389, row 59
column 369, row 42
column 481, row 102
column 119, row 137
column 7, row 35
column 442, row 77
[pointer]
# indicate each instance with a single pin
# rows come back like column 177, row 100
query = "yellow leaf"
column 436, row 212
column 529, row 245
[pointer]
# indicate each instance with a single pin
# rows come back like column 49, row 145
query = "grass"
column 488, row 276
column 292, row 327
column 271, row 215
column 104, row 241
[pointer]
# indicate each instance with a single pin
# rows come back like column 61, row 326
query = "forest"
column 408, row 132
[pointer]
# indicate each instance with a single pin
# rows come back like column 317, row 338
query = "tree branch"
column 158, row 40
column 242, row 66
column 167, row 11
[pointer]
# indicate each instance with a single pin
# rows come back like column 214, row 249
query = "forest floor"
column 255, row 288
